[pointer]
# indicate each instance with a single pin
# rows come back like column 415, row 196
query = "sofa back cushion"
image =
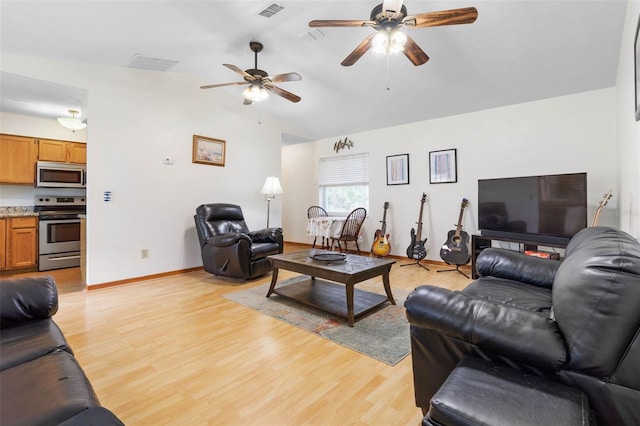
column 596, row 300
column 220, row 218
column 26, row 299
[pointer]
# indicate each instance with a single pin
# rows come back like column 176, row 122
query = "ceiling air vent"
column 143, row 62
column 270, row 10
column 314, row 34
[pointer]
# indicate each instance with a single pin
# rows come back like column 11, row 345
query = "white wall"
column 559, row 135
column 135, row 119
column 628, row 129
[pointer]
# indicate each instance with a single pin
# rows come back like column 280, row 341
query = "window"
column 344, row 183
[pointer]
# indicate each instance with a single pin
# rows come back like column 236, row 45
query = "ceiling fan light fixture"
column 255, row 93
column 388, row 41
column 72, row 122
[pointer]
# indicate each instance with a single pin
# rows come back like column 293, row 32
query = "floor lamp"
column 271, row 188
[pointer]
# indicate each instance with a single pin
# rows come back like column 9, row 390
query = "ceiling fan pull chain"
column 388, row 74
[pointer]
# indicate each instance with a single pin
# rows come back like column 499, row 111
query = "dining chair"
column 351, row 229
column 316, row 211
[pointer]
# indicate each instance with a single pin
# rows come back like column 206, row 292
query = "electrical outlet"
column 144, row 253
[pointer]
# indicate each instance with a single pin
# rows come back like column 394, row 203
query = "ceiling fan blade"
column 239, row 71
column 211, row 86
column 466, row 15
column 415, row 54
column 291, row 76
column 358, row 52
column 340, row 23
column 281, row 92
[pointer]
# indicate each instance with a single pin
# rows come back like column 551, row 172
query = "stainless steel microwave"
column 50, row 174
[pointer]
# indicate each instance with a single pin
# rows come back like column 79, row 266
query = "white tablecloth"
column 325, row 226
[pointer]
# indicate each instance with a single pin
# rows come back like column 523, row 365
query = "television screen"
column 546, row 209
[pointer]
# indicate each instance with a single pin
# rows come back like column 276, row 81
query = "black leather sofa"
column 574, row 322
column 41, row 383
column 227, row 246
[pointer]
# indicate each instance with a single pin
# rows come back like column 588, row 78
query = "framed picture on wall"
column 443, row 166
column 398, row 169
column 208, row 151
column 636, row 62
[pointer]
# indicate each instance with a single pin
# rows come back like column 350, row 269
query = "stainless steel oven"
column 59, row 231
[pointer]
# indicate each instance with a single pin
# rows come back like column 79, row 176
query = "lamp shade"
column 72, row 122
column 272, row 186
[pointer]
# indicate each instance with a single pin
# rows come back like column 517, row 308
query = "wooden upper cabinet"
column 18, row 157
column 77, row 152
column 61, row 151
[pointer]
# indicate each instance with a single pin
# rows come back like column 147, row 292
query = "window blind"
column 344, row 170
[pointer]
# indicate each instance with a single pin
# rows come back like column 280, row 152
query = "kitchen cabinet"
column 19, row 242
column 18, row 156
column 62, row 151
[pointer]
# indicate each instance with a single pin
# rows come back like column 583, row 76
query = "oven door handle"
column 54, row 258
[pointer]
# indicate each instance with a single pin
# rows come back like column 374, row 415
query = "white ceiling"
column 516, row 51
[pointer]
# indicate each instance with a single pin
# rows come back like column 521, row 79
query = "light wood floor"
column 173, row 351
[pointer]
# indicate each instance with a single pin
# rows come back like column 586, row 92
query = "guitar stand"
column 453, row 270
column 417, row 263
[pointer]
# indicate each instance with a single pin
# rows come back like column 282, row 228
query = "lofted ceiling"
column 516, row 51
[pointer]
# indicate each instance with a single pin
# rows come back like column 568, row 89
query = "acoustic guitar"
column 416, row 249
column 455, row 250
column 603, row 203
column 381, row 246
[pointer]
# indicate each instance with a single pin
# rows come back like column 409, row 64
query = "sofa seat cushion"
column 47, row 390
column 29, row 341
column 480, row 393
column 514, row 293
column 262, row 250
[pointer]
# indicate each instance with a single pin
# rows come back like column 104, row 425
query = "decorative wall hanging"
column 342, row 145
column 443, row 166
column 398, row 169
column 208, row 151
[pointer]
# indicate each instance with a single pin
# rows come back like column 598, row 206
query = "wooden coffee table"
column 335, row 293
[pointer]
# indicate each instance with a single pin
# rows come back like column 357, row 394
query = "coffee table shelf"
column 331, row 297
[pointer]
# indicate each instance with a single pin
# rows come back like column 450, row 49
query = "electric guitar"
column 603, row 203
column 416, row 249
column 455, row 250
column 381, row 246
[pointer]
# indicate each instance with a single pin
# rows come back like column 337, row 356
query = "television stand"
column 481, row 242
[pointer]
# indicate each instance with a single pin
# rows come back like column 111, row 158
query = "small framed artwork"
column 398, row 169
column 443, row 166
column 636, row 62
column 208, row 151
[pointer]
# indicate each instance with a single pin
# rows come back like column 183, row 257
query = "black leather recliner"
column 228, row 248
column 575, row 322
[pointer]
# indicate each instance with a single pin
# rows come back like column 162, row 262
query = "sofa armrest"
column 227, row 240
column 514, row 333
column 516, row 266
column 268, row 235
column 26, row 299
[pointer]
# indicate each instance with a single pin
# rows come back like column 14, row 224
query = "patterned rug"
column 383, row 334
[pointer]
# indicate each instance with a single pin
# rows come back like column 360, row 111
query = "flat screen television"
column 547, row 210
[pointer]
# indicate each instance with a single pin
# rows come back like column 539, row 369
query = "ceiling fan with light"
column 259, row 81
column 387, row 19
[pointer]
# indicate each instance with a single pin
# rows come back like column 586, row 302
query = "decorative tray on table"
column 329, row 257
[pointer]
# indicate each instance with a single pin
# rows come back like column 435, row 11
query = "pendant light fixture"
column 72, row 122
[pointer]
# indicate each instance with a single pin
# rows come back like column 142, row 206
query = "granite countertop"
column 18, row 211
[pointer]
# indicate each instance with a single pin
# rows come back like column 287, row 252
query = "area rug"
column 382, row 335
